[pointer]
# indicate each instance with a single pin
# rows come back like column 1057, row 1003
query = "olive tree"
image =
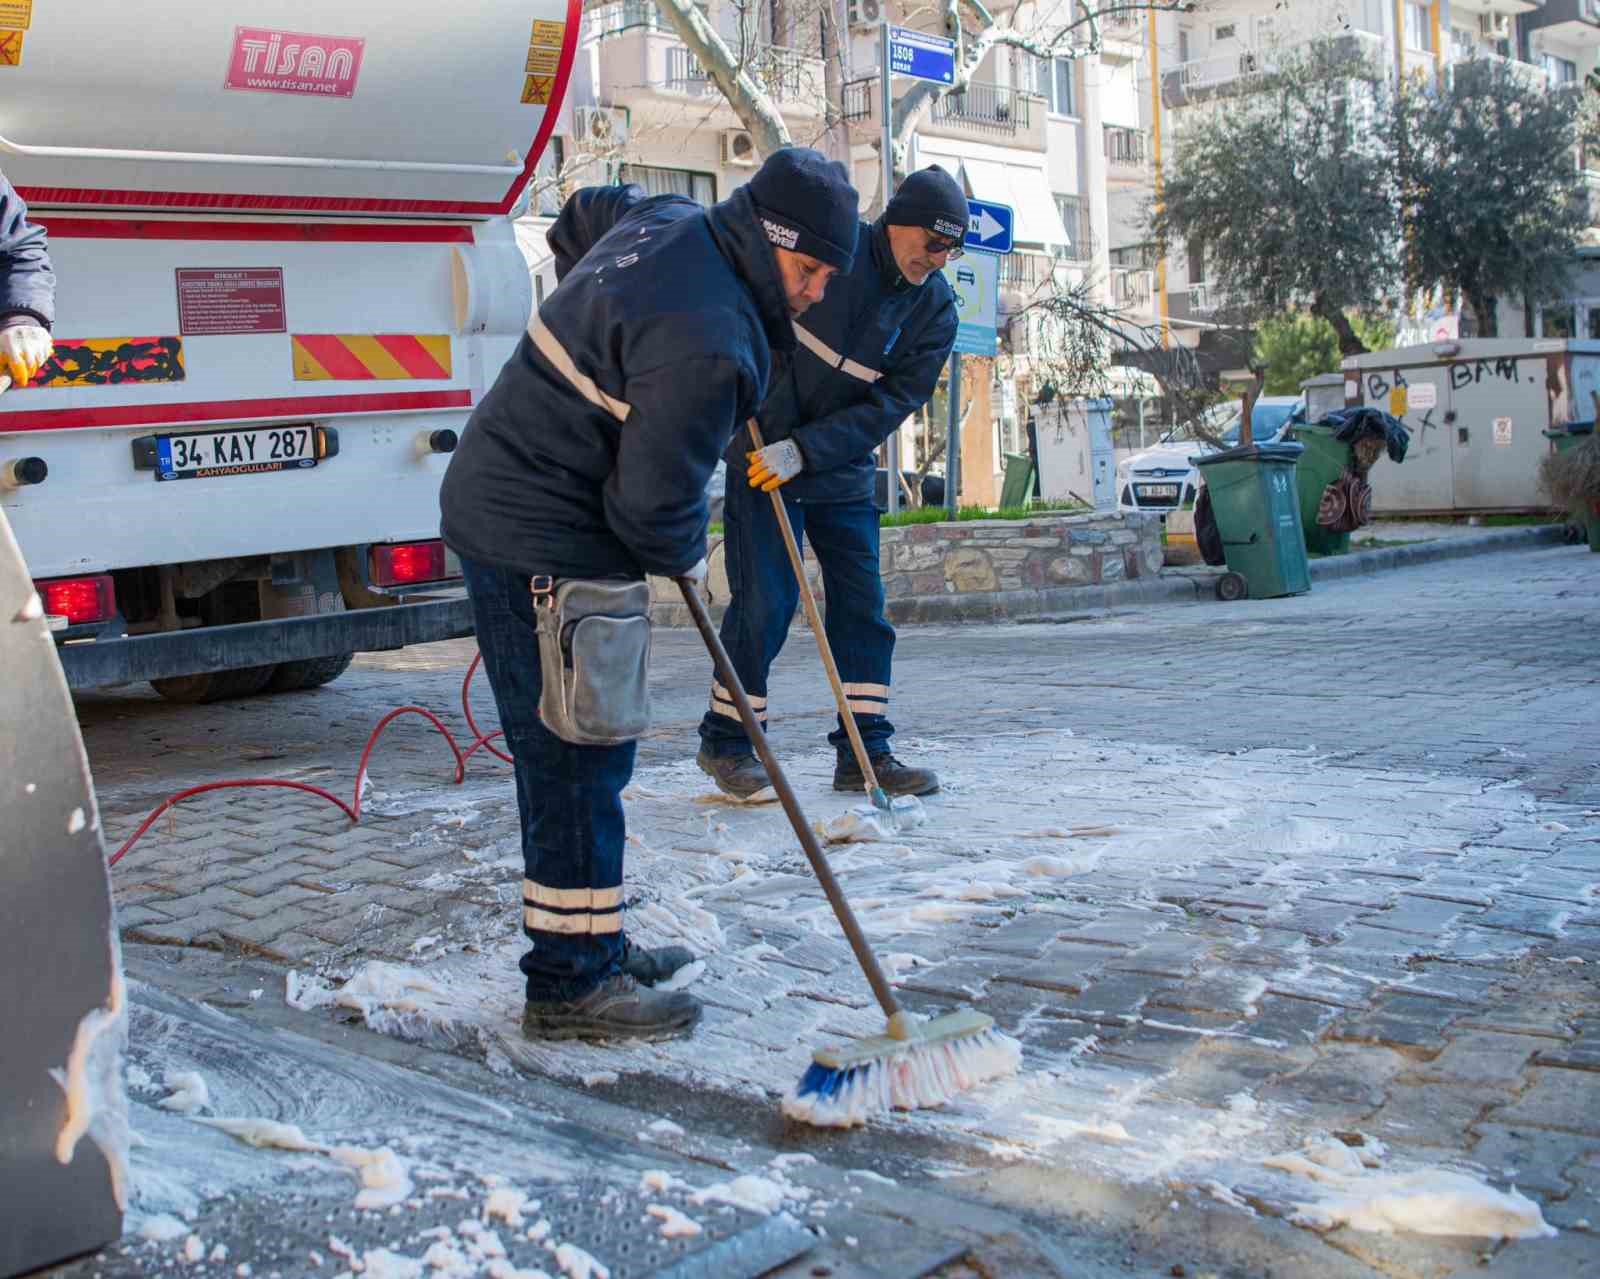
column 1290, row 186
column 1492, row 199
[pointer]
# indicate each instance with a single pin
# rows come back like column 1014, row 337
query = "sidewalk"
column 1233, row 916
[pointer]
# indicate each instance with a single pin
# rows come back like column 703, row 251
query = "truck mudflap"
column 63, row 1111
column 96, row 663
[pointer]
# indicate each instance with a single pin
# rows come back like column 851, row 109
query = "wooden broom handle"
column 846, row 715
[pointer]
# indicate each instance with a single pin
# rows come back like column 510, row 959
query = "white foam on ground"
column 752, row 1193
column 674, row 1224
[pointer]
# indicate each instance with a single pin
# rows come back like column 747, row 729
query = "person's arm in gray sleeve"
column 584, row 218
column 907, row 382
column 679, row 421
column 27, row 284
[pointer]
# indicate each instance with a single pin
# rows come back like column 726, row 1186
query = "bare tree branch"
column 750, row 102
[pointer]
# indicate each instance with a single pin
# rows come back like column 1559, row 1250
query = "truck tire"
column 313, row 672
column 214, row 686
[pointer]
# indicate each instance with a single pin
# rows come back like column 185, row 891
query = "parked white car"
column 1161, row 478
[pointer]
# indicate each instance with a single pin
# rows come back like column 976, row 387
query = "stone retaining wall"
column 971, row 560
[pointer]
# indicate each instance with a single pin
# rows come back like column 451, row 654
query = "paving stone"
column 958, row 979
column 1353, row 1079
column 185, row 930
column 217, row 897
column 1067, row 966
column 1218, row 992
column 1175, row 956
column 1434, row 1114
column 1111, row 995
column 1554, row 1100
column 1582, row 1055
column 1538, row 1161
column 286, row 897
column 138, row 916
column 1291, row 1021
column 1027, row 937
column 1402, row 1021
column 1478, row 1057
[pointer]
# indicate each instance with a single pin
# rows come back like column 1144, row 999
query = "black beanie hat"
column 806, row 203
column 930, row 198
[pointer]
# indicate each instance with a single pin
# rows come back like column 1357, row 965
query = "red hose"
column 351, row 810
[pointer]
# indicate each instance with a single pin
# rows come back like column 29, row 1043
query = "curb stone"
column 1183, row 586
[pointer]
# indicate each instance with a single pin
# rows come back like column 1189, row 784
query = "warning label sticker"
column 537, row 90
column 238, row 300
column 548, row 35
column 543, row 61
column 11, row 48
column 1502, row 432
column 1423, row 395
column 16, row 15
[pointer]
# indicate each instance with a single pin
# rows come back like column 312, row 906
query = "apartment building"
column 1048, row 136
column 1225, row 46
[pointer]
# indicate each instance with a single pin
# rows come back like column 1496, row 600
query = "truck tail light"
column 81, row 600
column 406, row 563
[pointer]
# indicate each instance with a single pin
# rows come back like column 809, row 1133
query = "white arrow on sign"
column 988, row 228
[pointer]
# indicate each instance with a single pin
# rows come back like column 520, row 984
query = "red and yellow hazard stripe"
column 366, row 357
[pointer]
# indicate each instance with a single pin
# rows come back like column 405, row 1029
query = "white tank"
column 375, row 107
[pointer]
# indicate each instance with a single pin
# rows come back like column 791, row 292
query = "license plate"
column 1158, row 490
column 208, row 455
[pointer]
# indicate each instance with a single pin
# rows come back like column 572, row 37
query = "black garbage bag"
column 1207, row 537
column 1350, row 425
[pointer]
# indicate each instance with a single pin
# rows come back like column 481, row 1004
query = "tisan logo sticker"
column 784, row 237
column 268, row 61
column 943, row 226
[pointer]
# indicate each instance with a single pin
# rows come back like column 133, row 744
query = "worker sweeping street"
column 583, row 469
column 869, row 356
column 27, row 291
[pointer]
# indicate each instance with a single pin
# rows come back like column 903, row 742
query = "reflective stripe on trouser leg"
column 571, row 910
column 722, row 703
column 867, row 699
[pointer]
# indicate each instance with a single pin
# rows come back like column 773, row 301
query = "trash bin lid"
column 1284, row 451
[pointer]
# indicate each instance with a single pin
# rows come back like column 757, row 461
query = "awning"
column 991, row 173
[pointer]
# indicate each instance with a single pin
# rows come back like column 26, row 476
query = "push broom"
column 908, row 812
column 913, row 1063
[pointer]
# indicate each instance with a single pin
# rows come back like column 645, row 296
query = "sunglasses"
column 935, row 246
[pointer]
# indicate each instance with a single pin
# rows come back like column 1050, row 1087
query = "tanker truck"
column 286, row 271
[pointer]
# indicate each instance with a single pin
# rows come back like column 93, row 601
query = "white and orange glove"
column 24, row 348
column 775, row 465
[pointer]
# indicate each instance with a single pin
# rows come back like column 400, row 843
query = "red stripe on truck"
column 233, row 410
column 70, row 228
column 411, row 355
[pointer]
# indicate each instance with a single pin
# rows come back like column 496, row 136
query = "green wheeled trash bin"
column 1568, row 437
column 1324, row 461
column 1254, row 500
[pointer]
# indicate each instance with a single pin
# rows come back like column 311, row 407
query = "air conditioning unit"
column 739, row 149
column 598, row 128
column 1495, row 26
column 865, row 13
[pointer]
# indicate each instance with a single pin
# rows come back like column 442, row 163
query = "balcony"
column 1026, row 278
column 1577, row 21
column 987, row 113
column 646, row 68
column 1127, row 159
column 1220, row 76
column 1121, row 35
column 1132, row 288
column 1531, row 76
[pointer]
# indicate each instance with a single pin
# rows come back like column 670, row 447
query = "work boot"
column 647, row 967
column 895, row 778
column 742, row 776
column 619, row 1008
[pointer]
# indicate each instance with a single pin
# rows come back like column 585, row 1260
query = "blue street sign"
column 923, row 57
column 989, row 226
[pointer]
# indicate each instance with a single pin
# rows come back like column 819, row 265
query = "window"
column 1560, row 70
column 1051, row 79
column 1463, row 43
column 1419, row 28
column 1195, row 251
column 700, row 187
column 1074, row 215
column 1184, row 43
column 1224, row 31
column 1594, row 323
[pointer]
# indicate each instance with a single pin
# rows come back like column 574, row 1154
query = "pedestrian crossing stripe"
column 367, row 357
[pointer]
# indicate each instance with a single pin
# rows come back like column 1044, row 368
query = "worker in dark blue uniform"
column 588, row 460
column 27, row 291
column 868, row 356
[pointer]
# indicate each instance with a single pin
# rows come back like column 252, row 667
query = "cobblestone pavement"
column 1309, row 875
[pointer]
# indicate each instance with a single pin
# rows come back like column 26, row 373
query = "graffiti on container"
column 112, row 361
column 1471, row 372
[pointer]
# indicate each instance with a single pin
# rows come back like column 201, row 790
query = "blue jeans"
column 844, row 536
column 569, row 798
